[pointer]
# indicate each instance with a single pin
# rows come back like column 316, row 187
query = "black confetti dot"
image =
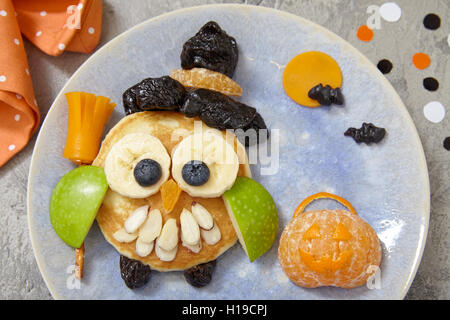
column 385, row 66
column 432, row 21
column 447, row 143
column 431, row 84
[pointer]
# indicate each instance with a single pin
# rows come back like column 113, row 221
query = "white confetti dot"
column 17, row 117
column 38, row 34
column 35, row 102
column 11, row 147
column 390, row 11
column 3, row 13
column 2, row 78
column 27, row 71
column 91, row 30
column 16, row 41
column 43, row 13
column 18, row 96
column 61, row 46
column 448, row 40
column 80, row 6
column 434, row 111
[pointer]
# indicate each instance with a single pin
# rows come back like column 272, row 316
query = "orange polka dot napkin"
column 53, row 26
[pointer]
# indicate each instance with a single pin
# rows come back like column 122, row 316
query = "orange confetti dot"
column 421, row 60
column 364, row 33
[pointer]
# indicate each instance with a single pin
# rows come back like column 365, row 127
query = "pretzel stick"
column 79, row 262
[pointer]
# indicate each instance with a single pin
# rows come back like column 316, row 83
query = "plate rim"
column 372, row 68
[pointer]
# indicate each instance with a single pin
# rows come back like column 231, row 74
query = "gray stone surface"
column 19, row 274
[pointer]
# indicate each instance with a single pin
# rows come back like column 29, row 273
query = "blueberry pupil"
column 147, row 172
column 195, row 173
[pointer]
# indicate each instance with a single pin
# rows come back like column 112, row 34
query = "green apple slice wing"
column 254, row 216
column 75, row 202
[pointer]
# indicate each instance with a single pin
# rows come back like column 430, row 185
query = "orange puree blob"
column 307, row 70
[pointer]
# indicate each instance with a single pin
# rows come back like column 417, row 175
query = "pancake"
column 170, row 128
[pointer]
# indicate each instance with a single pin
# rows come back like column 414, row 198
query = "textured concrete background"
column 19, row 274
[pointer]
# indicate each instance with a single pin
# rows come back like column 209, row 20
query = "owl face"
column 147, row 154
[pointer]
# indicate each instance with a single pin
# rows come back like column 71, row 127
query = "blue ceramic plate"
column 387, row 183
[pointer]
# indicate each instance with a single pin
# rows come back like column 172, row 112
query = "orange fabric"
column 54, row 26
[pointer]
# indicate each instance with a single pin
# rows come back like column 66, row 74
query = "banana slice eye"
column 204, row 164
column 137, row 154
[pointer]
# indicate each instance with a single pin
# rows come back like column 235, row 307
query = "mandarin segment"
column 306, row 71
column 207, row 79
column 343, row 255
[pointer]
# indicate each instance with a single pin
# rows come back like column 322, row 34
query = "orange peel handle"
column 301, row 207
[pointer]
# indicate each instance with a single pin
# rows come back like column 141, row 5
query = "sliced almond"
column 168, row 239
column 122, row 235
column 190, row 231
column 136, row 219
column 202, row 216
column 212, row 236
column 194, row 248
column 165, row 255
column 151, row 229
column 143, row 249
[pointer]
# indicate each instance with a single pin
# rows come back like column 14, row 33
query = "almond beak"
column 170, row 194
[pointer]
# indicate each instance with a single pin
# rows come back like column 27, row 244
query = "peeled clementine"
column 329, row 248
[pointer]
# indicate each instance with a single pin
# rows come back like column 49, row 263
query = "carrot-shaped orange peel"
column 87, row 118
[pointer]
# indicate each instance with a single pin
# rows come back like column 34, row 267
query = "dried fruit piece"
column 170, row 193
column 217, row 110
column 162, row 93
column 326, row 95
column 307, row 70
column 134, row 273
column 368, row 133
column 211, row 48
column 207, row 79
column 200, row 275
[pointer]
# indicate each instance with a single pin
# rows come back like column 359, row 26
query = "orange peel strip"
column 301, row 207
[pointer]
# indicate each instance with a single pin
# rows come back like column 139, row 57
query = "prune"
column 368, row 133
column 200, row 275
column 217, row 110
column 147, row 172
column 257, row 124
column 326, row 95
column 211, row 48
column 195, row 173
column 162, row 93
column 134, row 273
